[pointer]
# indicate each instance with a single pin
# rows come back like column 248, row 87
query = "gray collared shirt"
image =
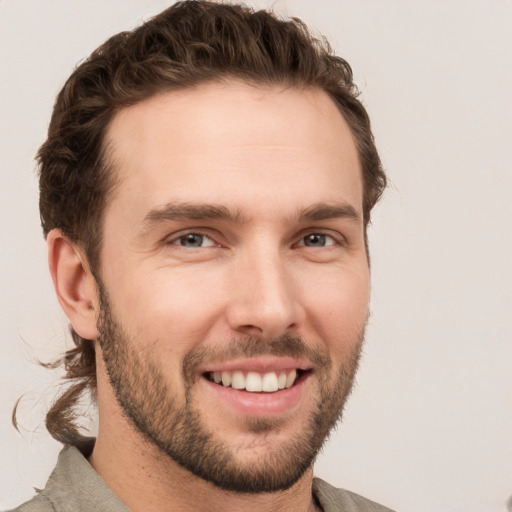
column 74, row 486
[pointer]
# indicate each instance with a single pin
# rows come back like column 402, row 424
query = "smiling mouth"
column 256, row 382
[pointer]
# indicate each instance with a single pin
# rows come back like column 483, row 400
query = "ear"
column 74, row 284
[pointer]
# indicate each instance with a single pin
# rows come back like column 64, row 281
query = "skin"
column 267, row 154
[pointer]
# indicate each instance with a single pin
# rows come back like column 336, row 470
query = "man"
column 205, row 187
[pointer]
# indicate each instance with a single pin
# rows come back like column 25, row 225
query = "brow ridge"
column 191, row 211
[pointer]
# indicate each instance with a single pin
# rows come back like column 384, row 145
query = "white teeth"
column 238, row 380
column 226, row 379
column 255, row 382
column 269, row 382
column 290, row 379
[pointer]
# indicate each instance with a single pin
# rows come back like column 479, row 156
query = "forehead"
column 233, row 143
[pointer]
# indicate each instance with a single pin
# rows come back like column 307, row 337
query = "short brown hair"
column 190, row 43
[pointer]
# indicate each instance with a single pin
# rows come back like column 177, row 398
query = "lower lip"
column 259, row 404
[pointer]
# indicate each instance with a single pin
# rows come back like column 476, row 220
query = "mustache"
column 283, row 346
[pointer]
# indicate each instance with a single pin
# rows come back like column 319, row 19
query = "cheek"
column 175, row 309
column 339, row 309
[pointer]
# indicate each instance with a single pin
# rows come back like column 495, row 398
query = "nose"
column 264, row 302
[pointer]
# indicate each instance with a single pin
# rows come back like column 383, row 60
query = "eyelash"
column 175, row 241
column 301, row 243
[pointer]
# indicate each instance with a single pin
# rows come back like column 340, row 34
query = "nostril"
column 252, row 330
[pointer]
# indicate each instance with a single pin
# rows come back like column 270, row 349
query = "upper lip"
column 263, row 364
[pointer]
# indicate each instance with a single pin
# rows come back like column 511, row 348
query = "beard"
column 176, row 427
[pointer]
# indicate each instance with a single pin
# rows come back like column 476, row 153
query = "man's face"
column 235, row 279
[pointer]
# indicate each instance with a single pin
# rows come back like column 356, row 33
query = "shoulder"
column 73, row 486
column 339, row 500
column 39, row 503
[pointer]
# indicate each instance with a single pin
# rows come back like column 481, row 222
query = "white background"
column 429, row 426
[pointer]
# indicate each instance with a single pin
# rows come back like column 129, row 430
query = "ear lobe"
column 74, row 284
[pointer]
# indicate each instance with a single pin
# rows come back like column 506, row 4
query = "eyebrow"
column 323, row 211
column 190, row 211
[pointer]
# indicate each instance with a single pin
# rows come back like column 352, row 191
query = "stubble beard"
column 179, row 432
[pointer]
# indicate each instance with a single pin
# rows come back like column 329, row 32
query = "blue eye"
column 317, row 240
column 193, row 240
